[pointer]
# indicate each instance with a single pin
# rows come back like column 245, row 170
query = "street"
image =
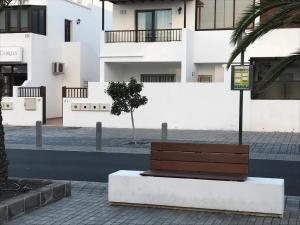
column 95, row 166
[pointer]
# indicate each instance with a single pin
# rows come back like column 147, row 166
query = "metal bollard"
column 164, row 131
column 98, row 136
column 39, row 135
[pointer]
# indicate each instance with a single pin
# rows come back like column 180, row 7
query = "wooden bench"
column 199, row 161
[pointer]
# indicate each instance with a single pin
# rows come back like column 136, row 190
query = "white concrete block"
column 255, row 195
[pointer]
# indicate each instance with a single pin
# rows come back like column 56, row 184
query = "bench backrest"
column 200, row 158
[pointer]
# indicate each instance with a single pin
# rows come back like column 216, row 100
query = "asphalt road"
column 95, row 166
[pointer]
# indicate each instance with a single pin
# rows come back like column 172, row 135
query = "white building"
column 179, row 49
column 36, row 35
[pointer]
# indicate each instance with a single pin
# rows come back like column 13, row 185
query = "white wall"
column 196, row 106
column 18, row 116
column 215, row 47
column 124, row 71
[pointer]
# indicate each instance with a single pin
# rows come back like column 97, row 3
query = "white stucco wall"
column 215, row 47
column 18, row 116
column 205, row 106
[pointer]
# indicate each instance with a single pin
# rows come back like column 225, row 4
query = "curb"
column 33, row 200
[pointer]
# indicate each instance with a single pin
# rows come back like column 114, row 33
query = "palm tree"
column 285, row 13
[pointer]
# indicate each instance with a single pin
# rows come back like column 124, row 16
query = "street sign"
column 241, row 77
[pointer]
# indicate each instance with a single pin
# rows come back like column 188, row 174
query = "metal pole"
column 164, row 131
column 98, row 136
column 39, row 136
column 241, row 105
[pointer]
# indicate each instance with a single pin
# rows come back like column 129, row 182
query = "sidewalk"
column 89, row 206
column 273, row 146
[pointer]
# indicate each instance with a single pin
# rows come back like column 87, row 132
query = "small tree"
column 126, row 98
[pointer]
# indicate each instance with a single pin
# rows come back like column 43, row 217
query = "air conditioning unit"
column 57, row 68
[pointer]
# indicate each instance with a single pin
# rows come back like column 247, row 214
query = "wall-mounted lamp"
column 78, row 21
column 179, row 10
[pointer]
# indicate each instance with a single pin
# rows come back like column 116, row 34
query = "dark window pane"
column 20, row 69
column 13, row 20
column 240, row 7
column 67, row 30
column 207, row 14
column 24, row 16
column 224, row 14
column 2, row 21
column 6, row 69
column 42, row 21
column 158, row 78
column 34, row 20
column 286, row 86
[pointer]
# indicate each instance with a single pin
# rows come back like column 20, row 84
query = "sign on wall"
column 241, row 77
column 11, row 54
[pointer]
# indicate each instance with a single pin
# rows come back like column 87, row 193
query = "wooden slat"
column 199, row 167
column 205, row 148
column 199, row 157
column 208, row 176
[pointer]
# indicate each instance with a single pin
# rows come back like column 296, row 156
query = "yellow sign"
column 241, row 78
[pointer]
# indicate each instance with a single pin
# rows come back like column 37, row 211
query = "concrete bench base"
column 254, row 196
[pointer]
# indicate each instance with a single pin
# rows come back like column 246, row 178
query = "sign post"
column 241, row 79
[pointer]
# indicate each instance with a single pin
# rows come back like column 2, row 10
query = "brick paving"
column 89, row 206
column 263, row 145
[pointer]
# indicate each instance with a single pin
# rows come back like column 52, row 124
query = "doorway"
column 13, row 75
column 149, row 21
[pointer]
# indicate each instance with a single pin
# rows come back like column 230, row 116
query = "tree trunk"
column 133, row 127
column 3, row 157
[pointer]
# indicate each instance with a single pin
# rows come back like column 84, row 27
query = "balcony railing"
column 160, row 35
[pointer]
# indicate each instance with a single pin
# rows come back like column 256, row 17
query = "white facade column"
column 187, row 63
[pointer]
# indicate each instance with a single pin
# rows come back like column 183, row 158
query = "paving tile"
column 89, row 206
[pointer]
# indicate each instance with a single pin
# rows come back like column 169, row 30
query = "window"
column 219, row 14
column 13, row 25
column 24, row 13
column 14, row 75
column 286, row 86
column 2, row 21
column 67, row 30
column 205, row 78
column 158, row 78
column 148, row 21
column 38, row 20
column 18, row 19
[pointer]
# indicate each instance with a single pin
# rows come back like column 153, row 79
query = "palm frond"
column 279, row 19
column 254, row 11
column 275, row 72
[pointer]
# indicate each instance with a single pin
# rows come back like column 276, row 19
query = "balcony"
column 159, row 35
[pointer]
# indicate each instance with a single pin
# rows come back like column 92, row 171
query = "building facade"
column 179, row 50
column 50, row 43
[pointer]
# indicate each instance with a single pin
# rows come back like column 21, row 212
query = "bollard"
column 39, row 136
column 98, row 136
column 164, row 131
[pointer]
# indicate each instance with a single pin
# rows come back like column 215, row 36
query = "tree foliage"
column 126, row 98
column 3, row 158
column 287, row 13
